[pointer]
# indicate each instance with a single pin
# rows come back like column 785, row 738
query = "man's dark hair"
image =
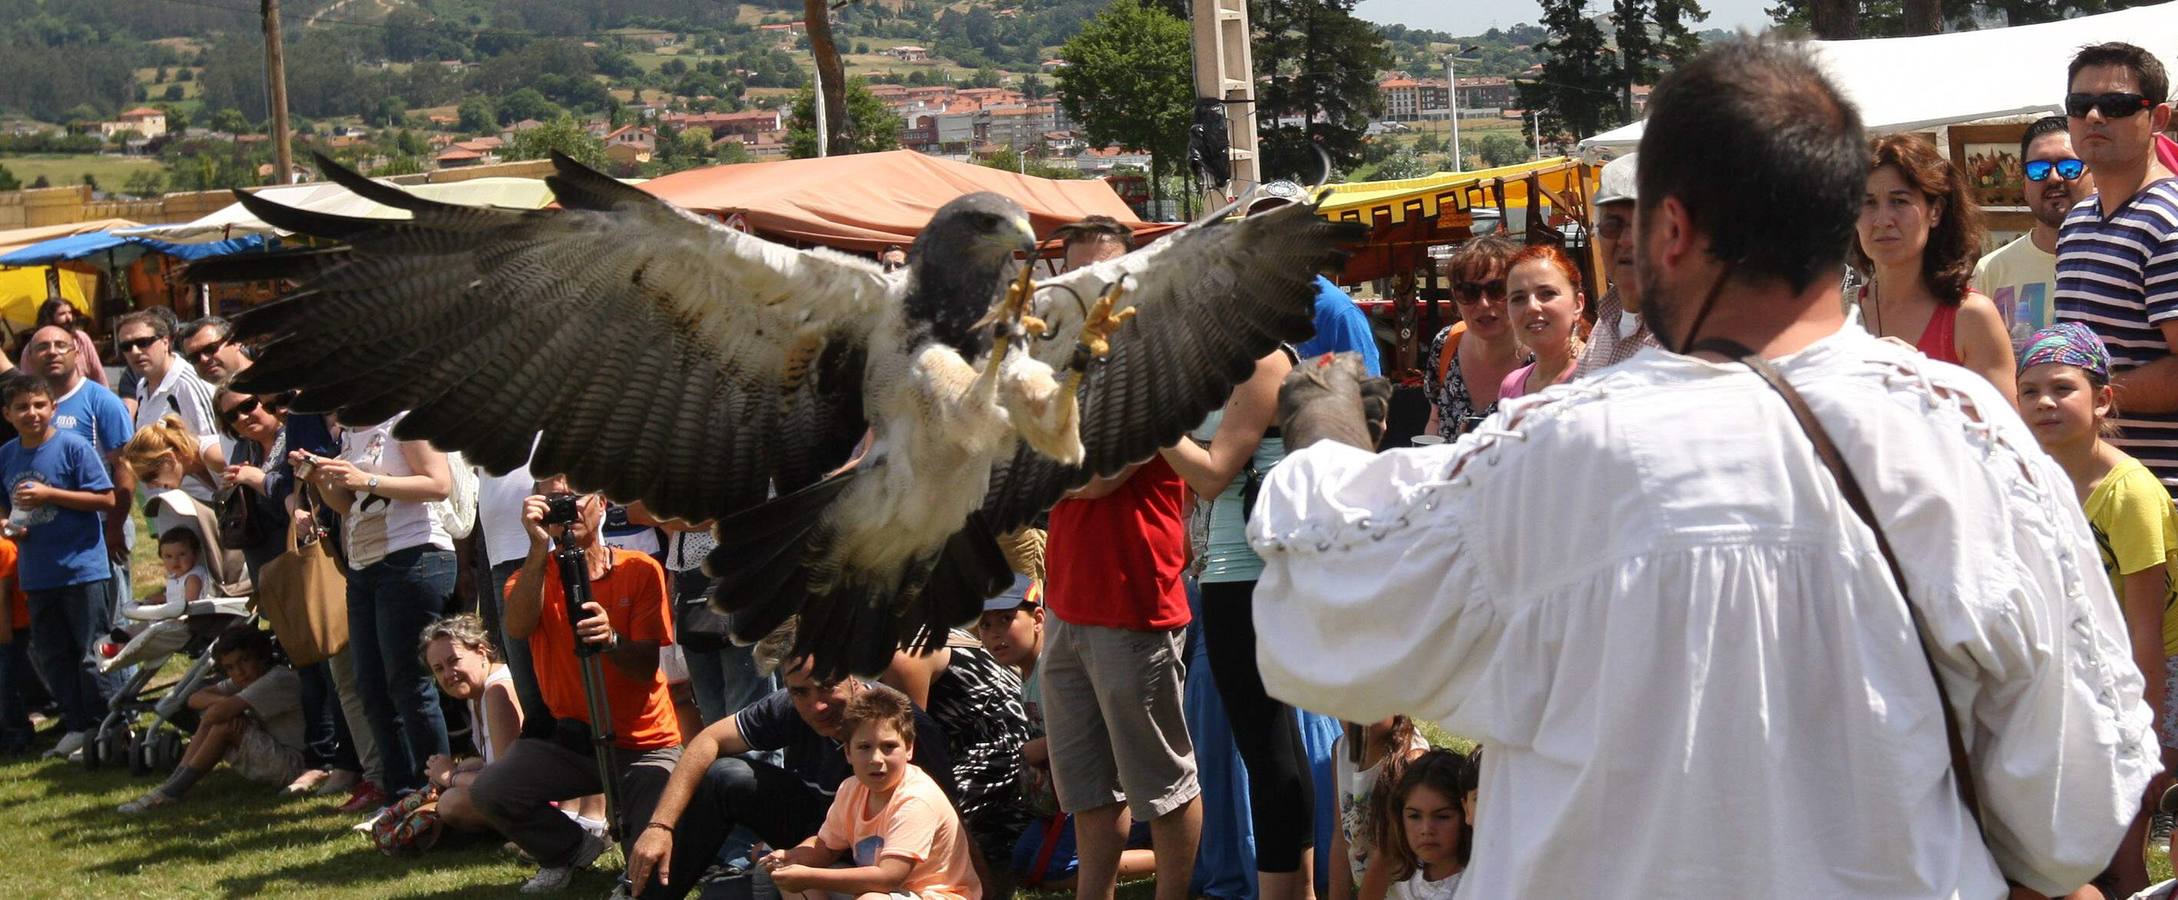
column 188, row 331
column 1768, row 158
column 2154, row 81
column 161, row 326
column 2045, row 125
column 19, row 383
column 1095, row 228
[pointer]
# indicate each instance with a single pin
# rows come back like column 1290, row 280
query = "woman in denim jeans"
column 400, row 576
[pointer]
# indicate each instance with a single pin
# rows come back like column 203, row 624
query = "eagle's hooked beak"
column 1017, row 235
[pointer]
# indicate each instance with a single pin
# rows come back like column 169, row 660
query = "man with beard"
column 2022, row 276
column 1915, row 682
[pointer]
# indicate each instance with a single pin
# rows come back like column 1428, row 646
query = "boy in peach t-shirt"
column 904, row 836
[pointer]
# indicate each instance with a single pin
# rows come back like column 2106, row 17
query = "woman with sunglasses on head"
column 1470, row 359
column 1919, row 236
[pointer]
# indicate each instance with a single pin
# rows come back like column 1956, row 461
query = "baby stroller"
column 123, row 737
column 156, row 745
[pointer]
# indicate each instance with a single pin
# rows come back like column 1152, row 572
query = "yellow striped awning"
column 1389, row 202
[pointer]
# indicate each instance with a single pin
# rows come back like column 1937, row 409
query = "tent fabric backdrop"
column 1909, row 83
column 866, row 201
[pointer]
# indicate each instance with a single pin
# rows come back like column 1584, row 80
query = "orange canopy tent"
column 868, row 200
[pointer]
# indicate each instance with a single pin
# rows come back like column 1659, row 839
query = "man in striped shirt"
column 2117, row 252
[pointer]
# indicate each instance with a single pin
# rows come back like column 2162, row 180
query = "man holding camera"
column 626, row 621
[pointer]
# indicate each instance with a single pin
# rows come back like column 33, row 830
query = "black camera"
column 561, row 509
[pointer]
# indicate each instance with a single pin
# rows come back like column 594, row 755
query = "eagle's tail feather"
column 761, row 561
column 775, row 562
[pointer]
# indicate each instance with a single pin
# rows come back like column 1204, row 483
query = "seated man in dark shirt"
column 713, row 789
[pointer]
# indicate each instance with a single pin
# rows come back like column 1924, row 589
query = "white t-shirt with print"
column 376, row 526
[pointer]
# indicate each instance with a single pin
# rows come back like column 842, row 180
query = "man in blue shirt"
column 88, row 410
column 1341, row 326
column 56, row 488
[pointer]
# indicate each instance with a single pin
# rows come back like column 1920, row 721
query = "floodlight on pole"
column 1452, row 102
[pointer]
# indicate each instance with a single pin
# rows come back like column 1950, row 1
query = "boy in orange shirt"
column 905, row 838
column 15, row 672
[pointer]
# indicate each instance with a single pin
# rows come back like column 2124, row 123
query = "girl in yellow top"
column 2065, row 395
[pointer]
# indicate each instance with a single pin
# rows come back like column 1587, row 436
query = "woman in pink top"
column 1544, row 301
column 1919, row 235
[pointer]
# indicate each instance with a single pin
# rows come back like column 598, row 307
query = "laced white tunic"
column 1685, row 656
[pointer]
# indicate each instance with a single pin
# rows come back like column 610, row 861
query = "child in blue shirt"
column 56, row 489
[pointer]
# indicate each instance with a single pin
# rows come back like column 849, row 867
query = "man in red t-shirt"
column 1114, row 654
column 629, row 618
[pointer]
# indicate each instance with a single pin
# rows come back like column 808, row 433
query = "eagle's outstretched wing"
column 1210, row 300
column 662, row 357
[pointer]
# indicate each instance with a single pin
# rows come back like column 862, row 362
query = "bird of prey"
column 654, row 355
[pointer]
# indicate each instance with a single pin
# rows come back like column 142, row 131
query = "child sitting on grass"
column 902, row 834
column 1432, row 827
column 181, row 555
column 253, row 720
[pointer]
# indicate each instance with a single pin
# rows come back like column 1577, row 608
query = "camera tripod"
column 575, row 592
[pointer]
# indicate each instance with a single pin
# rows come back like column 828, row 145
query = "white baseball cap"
column 1618, row 182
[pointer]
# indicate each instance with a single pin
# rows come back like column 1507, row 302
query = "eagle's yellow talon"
column 1097, row 329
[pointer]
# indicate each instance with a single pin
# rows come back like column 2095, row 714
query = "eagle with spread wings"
column 652, row 354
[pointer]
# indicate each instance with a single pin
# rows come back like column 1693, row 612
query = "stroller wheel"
column 166, row 751
column 139, row 754
column 110, row 748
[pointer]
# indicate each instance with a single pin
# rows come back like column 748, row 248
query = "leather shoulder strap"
column 1848, row 486
column 1451, row 351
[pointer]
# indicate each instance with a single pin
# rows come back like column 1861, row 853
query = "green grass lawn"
column 64, row 169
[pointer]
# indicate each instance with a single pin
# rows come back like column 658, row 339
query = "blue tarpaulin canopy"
column 80, row 246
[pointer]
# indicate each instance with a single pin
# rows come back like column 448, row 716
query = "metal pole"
column 276, row 66
column 575, row 593
column 1452, row 100
column 1536, row 117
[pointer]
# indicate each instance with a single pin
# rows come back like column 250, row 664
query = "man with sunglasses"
column 2117, row 256
column 1619, row 331
column 146, row 339
column 209, row 346
column 2022, row 276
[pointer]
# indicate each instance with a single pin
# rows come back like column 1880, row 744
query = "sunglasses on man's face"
column 140, row 343
column 2067, row 169
column 1468, row 293
column 205, row 352
column 2113, row 105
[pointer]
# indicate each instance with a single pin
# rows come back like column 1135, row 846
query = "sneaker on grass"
column 150, row 800
column 555, row 878
column 69, row 744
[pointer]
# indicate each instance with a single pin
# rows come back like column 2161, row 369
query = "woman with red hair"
column 1919, row 236
column 1544, row 300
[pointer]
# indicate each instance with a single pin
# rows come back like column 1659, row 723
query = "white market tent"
column 1913, row 83
column 234, row 221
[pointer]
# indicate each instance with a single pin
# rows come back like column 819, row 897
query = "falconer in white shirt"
column 1643, row 593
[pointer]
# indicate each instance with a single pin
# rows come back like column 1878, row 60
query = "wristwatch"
column 371, row 486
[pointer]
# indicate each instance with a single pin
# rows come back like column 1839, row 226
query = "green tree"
column 871, row 125
column 526, row 103
column 478, row 115
column 145, row 183
column 177, row 119
column 1316, row 71
column 1402, row 163
column 1500, row 149
column 174, row 92
column 8, row 181
column 230, row 120
column 1034, row 88
column 409, row 143
column 1577, row 92
column 1127, row 82
column 734, row 153
column 1653, row 37
column 1429, row 142
column 563, row 134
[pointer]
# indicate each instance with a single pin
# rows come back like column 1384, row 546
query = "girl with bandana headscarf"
column 2065, row 395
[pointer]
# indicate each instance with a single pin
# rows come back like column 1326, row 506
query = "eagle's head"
column 960, row 262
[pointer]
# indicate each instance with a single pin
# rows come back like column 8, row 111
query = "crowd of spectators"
column 1066, row 742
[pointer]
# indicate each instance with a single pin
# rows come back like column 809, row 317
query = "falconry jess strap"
column 1848, row 486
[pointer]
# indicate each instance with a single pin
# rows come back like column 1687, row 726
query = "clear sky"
column 1464, row 17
